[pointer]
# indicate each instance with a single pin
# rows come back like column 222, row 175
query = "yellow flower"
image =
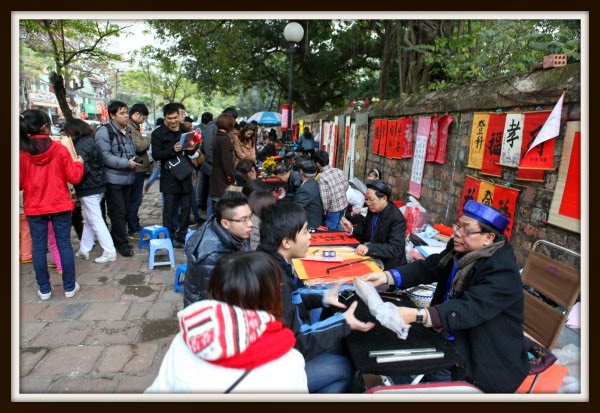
column 269, row 163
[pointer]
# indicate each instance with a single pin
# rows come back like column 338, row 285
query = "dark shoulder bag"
column 179, row 167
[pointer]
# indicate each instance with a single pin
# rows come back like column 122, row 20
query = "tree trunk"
column 58, row 83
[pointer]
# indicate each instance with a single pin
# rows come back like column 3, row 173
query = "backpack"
column 111, row 137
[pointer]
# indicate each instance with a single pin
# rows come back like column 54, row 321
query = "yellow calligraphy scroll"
column 477, row 145
column 486, row 193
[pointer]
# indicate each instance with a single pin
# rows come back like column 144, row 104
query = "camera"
column 137, row 159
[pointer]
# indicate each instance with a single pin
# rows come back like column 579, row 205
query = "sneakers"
column 106, row 257
column 82, row 255
column 69, row 294
column 126, row 252
column 43, row 296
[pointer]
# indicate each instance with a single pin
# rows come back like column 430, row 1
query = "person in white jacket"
column 235, row 341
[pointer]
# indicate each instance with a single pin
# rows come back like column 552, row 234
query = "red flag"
column 432, row 142
column 493, row 145
column 505, row 201
column 445, row 122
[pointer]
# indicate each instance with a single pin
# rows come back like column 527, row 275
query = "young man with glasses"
column 478, row 302
column 227, row 230
column 383, row 231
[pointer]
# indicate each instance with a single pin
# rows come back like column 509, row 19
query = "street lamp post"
column 293, row 33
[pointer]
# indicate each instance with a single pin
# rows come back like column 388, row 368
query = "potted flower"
column 268, row 165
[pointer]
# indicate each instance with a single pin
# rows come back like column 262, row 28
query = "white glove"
column 386, row 313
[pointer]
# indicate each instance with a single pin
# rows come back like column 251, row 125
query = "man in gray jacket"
column 118, row 151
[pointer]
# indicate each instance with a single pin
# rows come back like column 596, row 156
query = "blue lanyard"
column 374, row 224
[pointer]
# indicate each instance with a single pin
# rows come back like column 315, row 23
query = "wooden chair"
column 551, row 288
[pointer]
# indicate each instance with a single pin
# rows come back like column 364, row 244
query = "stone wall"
column 442, row 184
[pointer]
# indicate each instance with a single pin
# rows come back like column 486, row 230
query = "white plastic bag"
column 386, row 313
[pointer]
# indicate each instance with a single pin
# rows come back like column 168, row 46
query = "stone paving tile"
column 140, row 293
column 29, row 329
column 63, row 311
column 105, row 311
column 128, row 358
column 138, row 310
column 113, row 332
column 29, row 357
column 162, row 310
column 27, row 312
column 61, row 332
column 70, row 361
column 99, row 293
column 131, row 383
column 33, row 385
column 76, row 384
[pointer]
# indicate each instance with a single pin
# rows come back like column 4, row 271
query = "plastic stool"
column 154, row 231
column 178, row 286
column 161, row 244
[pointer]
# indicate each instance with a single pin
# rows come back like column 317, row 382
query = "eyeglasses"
column 371, row 201
column 243, row 220
column 465, row 232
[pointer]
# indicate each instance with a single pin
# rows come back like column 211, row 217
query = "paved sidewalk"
column 112, row 336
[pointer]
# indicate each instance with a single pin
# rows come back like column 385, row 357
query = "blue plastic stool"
column 154, row 232
column 178, row 285
column 161, row 244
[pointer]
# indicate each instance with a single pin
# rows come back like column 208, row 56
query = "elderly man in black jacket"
column 227, row 230
column 165, row 146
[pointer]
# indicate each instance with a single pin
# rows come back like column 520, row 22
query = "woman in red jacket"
column 45, row 168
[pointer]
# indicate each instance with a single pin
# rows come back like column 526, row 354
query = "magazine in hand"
column 186, row 141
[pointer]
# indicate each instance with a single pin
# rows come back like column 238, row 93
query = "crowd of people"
column 248, row 322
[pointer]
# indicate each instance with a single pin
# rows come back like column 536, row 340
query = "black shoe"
column 177, row 244
column 126, row 252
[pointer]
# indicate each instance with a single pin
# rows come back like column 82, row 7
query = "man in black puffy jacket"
column 227, row 230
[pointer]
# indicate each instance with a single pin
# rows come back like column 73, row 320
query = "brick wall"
column 442, row 184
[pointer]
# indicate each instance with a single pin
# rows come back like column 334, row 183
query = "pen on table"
column 346, row 265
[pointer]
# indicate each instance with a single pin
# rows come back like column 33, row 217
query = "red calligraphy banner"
column 505, row 201
column 332, row 238
column 432, row 142
column 376, row 135
column 391, row 138
column 399, row 141
column 541, row 157
column 470, row 192
column 383, row 137
column 407, row 137
column 570, row 206
column 493, row 145
column 445, row 122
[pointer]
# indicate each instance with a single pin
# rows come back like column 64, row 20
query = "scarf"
column 465, row 263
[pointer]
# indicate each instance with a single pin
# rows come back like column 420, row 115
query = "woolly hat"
column 485, row 214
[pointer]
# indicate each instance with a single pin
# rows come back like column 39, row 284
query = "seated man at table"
column 383, row 231
column 283, row 171
column 284, row 235
column 478, row 303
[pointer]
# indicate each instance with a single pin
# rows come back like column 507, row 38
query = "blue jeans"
column 155, row 174
column 332, row 220
column 133, row 221
column 329, row 373
column 38, row 226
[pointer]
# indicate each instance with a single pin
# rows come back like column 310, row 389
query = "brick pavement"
column 112, row 336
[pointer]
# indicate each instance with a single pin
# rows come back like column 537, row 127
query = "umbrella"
column 266, row 118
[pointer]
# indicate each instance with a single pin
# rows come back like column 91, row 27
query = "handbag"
column 179, row 167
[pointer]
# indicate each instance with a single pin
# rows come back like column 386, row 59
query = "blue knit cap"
column 485, row 214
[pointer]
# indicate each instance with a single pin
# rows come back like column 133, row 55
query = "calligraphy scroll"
column 541, row 157
column 432, row 142
column 510, row 153
column 445, row 122
column 407, row 136
column 391, row 138
column 486, row 193
column 565, row 210
column 376, row 136
column 416, row 176
column 470, row 192
column 399, row 141
column 505, row 201
column 532, row 124
column 383, row 137
column 477, row 145
column 330, row 238
column 493, row 145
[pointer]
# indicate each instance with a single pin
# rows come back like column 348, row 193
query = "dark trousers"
column 203, row 190
column 133, row 222
column 169, row 209
column 118, row 202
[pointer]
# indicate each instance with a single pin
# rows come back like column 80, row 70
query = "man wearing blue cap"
column 478, row 302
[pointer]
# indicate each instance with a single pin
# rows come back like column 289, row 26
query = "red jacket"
column 43, row 179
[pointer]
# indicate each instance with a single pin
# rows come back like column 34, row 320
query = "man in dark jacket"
column 165, row 145
column 284, row 235
column 478, row 302
column 308, row 195
column 208, row 129
column 383, row 231
column 227, row 230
